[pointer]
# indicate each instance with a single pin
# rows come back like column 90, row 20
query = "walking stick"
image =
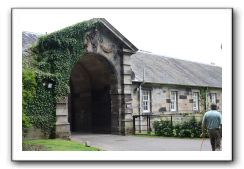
column 201, row 144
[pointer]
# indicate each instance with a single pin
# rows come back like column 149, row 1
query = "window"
column 195, row 98
column 173, row 99
column 146, row 101
column 213, row 98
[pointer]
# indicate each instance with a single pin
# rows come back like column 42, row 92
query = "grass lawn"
column 55, row 145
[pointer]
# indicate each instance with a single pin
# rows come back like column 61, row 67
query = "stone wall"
column 160, row 98
column 33, row 133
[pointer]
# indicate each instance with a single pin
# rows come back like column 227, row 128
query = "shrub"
column 167, row 132
column 185, row 133
column 28, row 93
column 191, row 129
column 163, row 128
column 176, row 130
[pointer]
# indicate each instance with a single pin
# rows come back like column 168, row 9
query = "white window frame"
column 173, row 101
column 213, row 98
column 146, row 107
column 195, row 98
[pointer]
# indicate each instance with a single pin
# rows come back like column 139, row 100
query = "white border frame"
column 19, row 155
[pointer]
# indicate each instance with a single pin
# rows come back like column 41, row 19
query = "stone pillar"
column 115, row 113
column 62, row 124
column 126, row 113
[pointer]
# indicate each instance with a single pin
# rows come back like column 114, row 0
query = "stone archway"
column 103, row 84
column 93, row 101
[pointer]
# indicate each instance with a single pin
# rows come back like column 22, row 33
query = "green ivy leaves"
column 28, row 93
column 54, row 56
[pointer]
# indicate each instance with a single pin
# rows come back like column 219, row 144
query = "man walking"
column 212, row 120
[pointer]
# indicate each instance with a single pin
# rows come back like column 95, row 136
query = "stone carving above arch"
column 94, row 40
column 106, row 47
column 91, row 40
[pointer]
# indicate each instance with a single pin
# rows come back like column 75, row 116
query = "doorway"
column 92, row 101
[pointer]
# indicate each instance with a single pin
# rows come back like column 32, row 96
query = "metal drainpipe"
column 207, row 99
column 140, row 108
column 140, row 97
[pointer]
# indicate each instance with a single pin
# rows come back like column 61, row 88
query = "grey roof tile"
column 166, row 70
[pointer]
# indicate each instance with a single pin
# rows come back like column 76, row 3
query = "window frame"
column 174, row 101
column 148, row 100
column 195, row 101
column 215, row 98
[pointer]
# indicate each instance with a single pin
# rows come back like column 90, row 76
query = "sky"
column 199, row 35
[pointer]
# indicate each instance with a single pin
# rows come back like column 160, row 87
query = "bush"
column 163, row 128
column 176, row 130
column 190, row 129
column 26, row 123
column 167, row 132
column 28, row 93
column 185, row 133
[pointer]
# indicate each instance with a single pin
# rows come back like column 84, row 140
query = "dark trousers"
column 215, row 138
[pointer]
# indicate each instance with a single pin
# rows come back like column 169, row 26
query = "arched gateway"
column 94, row 99
column 100, row 86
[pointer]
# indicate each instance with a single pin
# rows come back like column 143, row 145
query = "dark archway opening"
column 91, row 106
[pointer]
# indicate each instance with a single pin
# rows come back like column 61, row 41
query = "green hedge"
column 191, row 129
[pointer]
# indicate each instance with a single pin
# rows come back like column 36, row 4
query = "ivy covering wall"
column 203, row 93
column 52, row 60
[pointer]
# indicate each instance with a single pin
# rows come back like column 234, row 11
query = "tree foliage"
column 28, row 93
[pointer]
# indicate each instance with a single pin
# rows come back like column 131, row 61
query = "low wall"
column 33, row 133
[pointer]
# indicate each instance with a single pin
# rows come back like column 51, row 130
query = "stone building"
column 173, row 86
column 113, row 80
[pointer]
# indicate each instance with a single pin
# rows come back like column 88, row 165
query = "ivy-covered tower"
column 88, row 65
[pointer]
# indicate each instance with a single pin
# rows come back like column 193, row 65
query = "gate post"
column 127, row 118
column 62, row 124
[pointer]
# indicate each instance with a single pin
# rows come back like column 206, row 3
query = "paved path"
column 141, row 143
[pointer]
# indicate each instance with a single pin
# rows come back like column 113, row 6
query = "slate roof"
column 166, row 70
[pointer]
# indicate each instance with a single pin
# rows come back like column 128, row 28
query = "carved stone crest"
column 93, row 39
column 106, row 47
